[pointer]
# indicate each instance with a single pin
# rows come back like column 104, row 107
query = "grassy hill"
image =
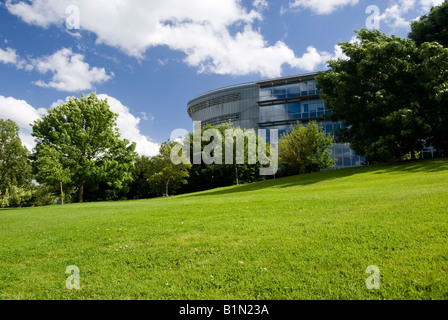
column 303, row 237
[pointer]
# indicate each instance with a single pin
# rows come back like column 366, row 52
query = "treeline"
column 79, row 156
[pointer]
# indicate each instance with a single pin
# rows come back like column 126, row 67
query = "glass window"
column 337, row 126
column 265, row 94
column 306, row 107
column 320, row 105
column 295, row 116
column 338, row 161
column 311, row 87
column 294, row 107
column 347, row 162
column 293, row 90
column 279, row 92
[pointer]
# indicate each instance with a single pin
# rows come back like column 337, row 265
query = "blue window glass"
column 337, row 126
column 306, row 107
column 338, row 161
column 265, row 94
column 293, row 90
column 294, row 107
column 347, row 162
column 295, row 116
column 280, row 92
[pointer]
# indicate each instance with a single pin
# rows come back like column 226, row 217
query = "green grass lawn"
column 303, row 237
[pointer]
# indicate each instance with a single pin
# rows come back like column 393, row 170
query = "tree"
column 305, row 149
column 434, row 88
column 84, row 136
column 381, row 94
column 167, row 173
column 205, row 176
column 15, row 167
column 432, row 27
column 50, row 170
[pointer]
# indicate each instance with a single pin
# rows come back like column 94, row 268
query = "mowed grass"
column 303, row 237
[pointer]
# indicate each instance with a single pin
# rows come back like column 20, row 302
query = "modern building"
column 271, row 104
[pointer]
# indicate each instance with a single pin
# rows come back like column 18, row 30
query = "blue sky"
column 149, row 58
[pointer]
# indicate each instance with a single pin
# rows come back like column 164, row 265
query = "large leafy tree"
column 83, row 136
column 432, row 27
column 305, row 149
column 15, row 167
column 384, row 93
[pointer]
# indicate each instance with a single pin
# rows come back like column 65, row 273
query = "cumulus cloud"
column 216, row 36
column 129, row 128
column 70, row 72
column 25, row 115
column 8, row 56
column 395, row 15
column 322, row 6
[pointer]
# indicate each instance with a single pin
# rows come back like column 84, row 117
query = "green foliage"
column 15, row 167
column 141, row 188
column 16, row 197
column 82, row 139
column 207, row 176
column 305, row 149
column 432, row 27
column 166, row 174
column 387, row 94
column 43, row 196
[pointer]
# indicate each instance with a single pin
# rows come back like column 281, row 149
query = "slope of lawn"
column 303, row 237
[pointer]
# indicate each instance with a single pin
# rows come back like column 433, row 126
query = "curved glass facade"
column 272, row 104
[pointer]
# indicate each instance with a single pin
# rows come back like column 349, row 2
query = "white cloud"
column 8, row 56
column 426, row 5
column 216, row 36
column 310, row 60
column 23, row 114
column 128, row 125
column 322, row 6
column 70, row 72
column 395, row 15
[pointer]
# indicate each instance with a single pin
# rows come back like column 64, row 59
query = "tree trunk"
column 236, row 175
column 81, row 192
column 62, row 194
column 166, row 187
